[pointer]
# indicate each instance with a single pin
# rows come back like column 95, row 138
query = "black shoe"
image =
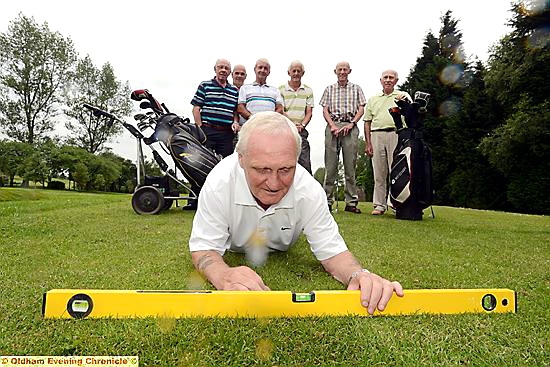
column 352, row 209
column 189, row 207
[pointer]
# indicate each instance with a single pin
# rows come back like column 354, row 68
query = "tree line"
column 487, row 123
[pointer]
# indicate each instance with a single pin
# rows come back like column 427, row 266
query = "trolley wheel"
column 167, row 204
column 147, row 200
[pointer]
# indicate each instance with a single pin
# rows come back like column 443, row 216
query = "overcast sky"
column 169, row 47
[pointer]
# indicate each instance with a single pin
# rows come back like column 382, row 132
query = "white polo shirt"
column 259, row 98
column 228, row 215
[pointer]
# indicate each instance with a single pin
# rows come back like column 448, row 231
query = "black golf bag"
column 411, row 188
column 184, row 142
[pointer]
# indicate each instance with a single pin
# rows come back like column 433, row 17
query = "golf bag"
column 184, row 142
column 411, row 188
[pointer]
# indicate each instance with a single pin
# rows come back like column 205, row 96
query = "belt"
column 386, row 129
column 218, row 127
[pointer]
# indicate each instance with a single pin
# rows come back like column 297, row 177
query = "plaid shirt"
column 343, row 102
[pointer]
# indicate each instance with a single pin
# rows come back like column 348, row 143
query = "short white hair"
column 267, row 122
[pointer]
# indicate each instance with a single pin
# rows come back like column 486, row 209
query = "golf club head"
column 144, row 105
column 139, row 94
column 140, row 116
column 422, row 99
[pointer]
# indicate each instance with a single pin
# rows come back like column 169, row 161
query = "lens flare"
column 449, row 107
column 451, row 74
column 166, row 324
column 539, row 39
column 264, row 349
column 256, row 248
column 195, row 280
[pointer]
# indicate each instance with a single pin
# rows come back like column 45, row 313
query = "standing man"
column 259, row 96
column 298, row 107
column 259, row 197
column 214, row 109
column 343, row 105
column 380, row 137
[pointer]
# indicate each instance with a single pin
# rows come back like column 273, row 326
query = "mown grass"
column 51, row 239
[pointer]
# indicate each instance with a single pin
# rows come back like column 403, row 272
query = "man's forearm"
column 367, row 131
column 243, row 111
column 358, row 114
column 211, row 265
column 342, row 266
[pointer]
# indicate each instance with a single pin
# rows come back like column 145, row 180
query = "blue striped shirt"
column 218, row 104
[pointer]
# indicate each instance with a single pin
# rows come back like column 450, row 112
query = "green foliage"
column 35, row 65
column 64, row 239
column 517, row 78
column 12, row 155
column 520, row 149
column 99, row 88
column 81, row 175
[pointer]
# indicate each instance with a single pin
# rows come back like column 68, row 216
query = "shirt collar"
column 215, row 81
column 290, row 89
column 258, row 84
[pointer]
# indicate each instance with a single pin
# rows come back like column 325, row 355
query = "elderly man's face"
column 222, row 69
column 262, row 70
column 239, row 75
column 269, row 164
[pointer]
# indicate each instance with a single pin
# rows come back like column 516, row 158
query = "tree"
column 35, row 64
column 473, row 183
column 517, row 72
column 12, row 155
column 81, row 175
column 99, row 88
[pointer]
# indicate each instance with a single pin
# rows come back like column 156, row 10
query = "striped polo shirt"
column 343, row 102
column 218, row 104
column 296, row 101
column 259, row 98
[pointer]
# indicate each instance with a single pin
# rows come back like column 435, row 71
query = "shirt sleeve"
column 210, row 228
column 324, row 98
column 242, row 94
column 320, row 228
column 198, row 98
column 309, row 99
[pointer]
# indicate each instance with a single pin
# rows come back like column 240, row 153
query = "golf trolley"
column 175, row 136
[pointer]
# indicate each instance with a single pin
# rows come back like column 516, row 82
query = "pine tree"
column 517, row 78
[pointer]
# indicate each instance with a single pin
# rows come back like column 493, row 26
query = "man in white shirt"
column 260, row 197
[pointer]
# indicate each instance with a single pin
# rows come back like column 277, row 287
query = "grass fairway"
column 51, row 239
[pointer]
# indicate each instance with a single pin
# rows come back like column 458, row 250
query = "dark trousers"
column 220, row 141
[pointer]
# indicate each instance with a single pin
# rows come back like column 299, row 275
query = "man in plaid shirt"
column 343, row 105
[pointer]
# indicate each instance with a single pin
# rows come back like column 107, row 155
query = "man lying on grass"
column 259, row 200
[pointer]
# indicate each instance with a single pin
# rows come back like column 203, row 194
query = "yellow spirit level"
column 95, row 303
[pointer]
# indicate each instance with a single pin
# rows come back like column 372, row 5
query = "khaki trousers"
column 383, row 145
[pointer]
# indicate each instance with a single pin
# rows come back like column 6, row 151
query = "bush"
column 56, row 185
